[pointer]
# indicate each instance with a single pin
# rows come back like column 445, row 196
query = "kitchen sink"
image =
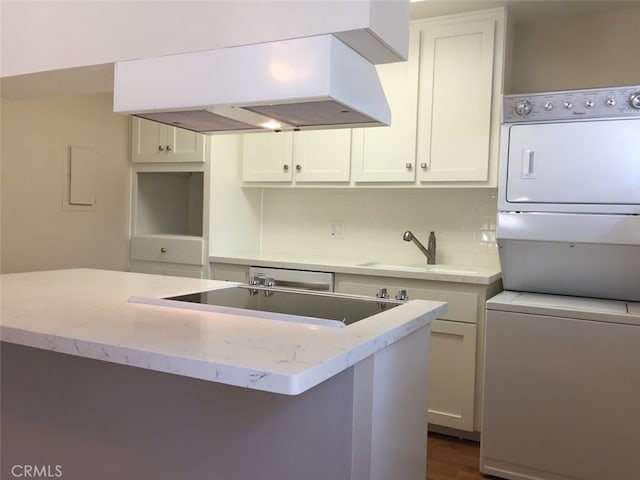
column 449, row 269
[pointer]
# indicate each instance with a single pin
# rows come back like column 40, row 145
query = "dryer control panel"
column 572, row 105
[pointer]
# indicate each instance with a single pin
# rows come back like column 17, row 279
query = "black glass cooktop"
column 288, row 302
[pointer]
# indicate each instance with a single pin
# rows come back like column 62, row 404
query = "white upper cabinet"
column 388, row 154
column 322, row 155
column 153, row 142
column 300, row 157
column 445, row 118
column 267, row 157
column 461, row 72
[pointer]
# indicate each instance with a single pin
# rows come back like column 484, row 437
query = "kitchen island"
column 104, row 388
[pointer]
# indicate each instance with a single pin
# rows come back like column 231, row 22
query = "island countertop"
column 86, row 313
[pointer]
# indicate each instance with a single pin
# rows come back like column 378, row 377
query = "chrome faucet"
column 430, row 252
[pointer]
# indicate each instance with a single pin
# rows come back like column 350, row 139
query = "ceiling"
column 520, row 10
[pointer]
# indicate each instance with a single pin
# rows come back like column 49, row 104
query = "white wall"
column 235, row 213
column 296, row 221
column 37, row 231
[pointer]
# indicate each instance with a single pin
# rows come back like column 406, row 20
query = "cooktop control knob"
column 589, row 103
column 548, row 106
column 611, row 102
column 634, row 100
column 523, row 107
column 568, row 105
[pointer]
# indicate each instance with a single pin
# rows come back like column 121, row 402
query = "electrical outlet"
column 336, row 230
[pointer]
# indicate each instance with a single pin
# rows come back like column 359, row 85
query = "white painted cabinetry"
column 229, row 272
column 169, row 207
column 461, row 71
column 445, row 118
column 388, row 154
column 456, row 355
column 298, row 157
column 153, row 142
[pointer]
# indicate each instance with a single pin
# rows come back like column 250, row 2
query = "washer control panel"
column 572, row 104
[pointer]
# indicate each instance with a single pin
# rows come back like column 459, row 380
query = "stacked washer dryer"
column 562, row 351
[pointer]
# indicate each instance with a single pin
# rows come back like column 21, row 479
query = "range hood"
column 300, row 84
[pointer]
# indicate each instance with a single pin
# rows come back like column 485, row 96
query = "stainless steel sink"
column 447, row 269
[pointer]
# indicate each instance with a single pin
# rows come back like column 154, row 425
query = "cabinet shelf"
column 169, row 203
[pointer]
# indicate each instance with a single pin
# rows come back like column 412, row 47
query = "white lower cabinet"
column 230, row 273
column 167, row 269
column 175, row 255
column 452, row 371
column 455, row 362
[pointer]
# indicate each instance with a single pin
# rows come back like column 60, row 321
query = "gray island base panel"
column 103, row 421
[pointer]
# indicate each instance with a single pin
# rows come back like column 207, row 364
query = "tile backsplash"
column 298, row 222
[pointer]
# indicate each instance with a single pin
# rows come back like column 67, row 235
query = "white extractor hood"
column 300, row 84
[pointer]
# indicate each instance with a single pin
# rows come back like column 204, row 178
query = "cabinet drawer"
column 171, row 249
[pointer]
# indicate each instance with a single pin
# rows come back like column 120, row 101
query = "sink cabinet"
column 457, row 339
column 456, row 356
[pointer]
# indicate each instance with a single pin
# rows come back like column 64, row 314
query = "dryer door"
column 580, row 166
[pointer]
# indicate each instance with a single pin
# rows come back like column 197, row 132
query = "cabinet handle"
column 423, row 165
column 285, row 167
column 161, row 148
column 163, row 250
column 298, row 167
column 169, row 148
column 408, row 165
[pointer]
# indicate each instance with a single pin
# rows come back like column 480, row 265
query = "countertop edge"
column 356, row 268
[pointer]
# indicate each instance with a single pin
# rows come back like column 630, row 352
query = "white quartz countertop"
column 441, row 272
column 86, row 313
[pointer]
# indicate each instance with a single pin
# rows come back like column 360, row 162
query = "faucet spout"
column 430, row 252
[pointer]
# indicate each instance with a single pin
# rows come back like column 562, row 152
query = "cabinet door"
column 267, row 157
column 146, row 140
column 452, row 361
column 322, row 156
column 184, row 146
column 388, row 154
column 153, row 142
column 454, row 117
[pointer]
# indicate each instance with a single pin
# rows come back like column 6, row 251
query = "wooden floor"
column 450, row 458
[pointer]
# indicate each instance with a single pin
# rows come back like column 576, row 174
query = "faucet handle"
column 382, row 293
column 402, row 295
